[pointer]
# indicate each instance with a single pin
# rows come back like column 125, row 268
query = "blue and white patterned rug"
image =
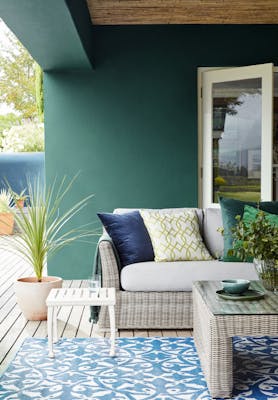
column 144, row 369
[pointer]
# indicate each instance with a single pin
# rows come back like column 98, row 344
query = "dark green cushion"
column 250, row 214
column 230, row 208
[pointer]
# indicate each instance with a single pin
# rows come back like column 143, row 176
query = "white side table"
column 79, row 297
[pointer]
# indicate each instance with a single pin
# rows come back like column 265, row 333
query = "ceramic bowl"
column 235, row 286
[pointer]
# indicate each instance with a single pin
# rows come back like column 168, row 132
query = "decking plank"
column 184, row 332
column 8, row 322
column 11, row 335
column 126, row 333
column 41, row 332
column 73, row 321
column 21, row 330
column 169, row 333
column 140, row 333
column 84, row 326
column 154, row 332
column 63, row 313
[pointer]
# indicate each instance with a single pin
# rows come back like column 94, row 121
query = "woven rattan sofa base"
column 142, row 310
column 150, row 310
column 213, row 339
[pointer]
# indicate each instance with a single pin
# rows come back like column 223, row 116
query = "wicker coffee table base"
column 213, row 339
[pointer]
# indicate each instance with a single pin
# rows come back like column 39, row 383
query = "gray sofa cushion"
column 179, row 275
column 213, row 239
column 210, row 220
column 199, row 212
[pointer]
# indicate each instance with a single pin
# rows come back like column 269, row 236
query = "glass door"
column 275, row 137
column 238, row 133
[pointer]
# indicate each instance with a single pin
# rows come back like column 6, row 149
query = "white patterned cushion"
column 175, row 237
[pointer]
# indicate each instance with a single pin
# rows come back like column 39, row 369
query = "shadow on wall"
column 18, row 168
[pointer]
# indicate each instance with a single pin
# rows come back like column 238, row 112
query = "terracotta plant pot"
column 31, row 295
column 19, row 203
column 6, row 223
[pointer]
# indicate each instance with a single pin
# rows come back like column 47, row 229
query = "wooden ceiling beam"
column 137, row 12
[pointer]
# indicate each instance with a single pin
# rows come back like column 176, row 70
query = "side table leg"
column 55, row 334
column 111, row 310
column 220, row 371
column 215, row 348
column 50, row 330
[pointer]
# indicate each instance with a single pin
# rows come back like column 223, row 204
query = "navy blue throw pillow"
column 129, row 235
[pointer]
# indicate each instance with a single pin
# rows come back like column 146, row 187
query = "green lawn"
column 245, row 196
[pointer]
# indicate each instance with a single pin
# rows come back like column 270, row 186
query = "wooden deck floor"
column 72, row 321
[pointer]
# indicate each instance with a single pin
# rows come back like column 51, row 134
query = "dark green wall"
column 57, row 33
column 130, row 125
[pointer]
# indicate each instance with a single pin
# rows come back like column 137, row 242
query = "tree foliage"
column 7, row 121
column 18, row 79
column 27, row 137
column 39, row 92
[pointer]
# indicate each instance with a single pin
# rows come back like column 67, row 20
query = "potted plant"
column 258, row 239
column 6, row 214
column 43, row 232
column 19, row 198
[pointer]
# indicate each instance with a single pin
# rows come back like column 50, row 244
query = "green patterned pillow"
column 175, row 237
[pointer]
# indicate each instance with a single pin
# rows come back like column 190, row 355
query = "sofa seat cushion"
column 178, row 276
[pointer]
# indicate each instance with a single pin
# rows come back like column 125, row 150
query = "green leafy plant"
column 258, row 239
column 42, row 226
column 5, row 201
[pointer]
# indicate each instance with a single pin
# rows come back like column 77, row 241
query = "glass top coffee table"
column 216, row 321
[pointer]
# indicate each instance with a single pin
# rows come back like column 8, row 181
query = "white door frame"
column 266, row 185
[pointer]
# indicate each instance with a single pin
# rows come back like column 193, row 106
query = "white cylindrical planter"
column 31, row 295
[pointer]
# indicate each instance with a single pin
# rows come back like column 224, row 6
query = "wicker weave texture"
column 142, row 310
column 213, row 339
column 110, row 273
column 150, row 310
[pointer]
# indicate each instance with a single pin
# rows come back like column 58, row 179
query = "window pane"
column 237, row 115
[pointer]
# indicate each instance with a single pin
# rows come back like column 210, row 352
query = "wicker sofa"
column 154, row 295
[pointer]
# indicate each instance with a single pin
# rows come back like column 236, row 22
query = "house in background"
column 121, row 97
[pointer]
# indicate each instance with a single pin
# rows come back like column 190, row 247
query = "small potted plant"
column 42, row 232
column 19, row 198
column 6, row 214
column 258, row 239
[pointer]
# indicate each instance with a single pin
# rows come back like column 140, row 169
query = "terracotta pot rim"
column 33, row 280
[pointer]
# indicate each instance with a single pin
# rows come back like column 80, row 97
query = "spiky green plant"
column 19, row 196
column 42, row 230
column 5, row 201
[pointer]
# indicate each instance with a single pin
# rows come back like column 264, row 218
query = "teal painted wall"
column 48, row 30
column 130, row 126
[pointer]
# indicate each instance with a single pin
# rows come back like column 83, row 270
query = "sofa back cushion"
column 129, row 236
column 175, row 236
column 210, row 219
column 198, row 211
column 213, row 239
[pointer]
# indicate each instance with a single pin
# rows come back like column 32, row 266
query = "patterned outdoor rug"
column 145, row 368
